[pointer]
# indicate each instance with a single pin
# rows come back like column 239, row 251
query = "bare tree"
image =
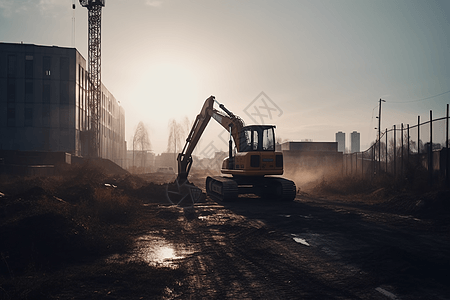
column 176, row 136
column 187, row 125
column 141, row 142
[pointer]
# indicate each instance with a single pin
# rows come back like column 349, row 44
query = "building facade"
column 44, row 103
column 355, row 142
column 306, row 161
column 340, row 139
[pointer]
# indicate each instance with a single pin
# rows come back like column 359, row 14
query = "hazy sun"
column 168, row 85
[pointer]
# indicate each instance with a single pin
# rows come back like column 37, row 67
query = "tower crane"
column 95, row 90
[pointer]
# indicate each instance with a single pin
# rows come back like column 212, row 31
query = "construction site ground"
column 316, row 247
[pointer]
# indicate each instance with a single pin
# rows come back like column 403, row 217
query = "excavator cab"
column 256, row 154
column 257, row 138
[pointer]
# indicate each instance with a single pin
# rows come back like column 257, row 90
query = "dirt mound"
column 105, row 165
column 151, row 193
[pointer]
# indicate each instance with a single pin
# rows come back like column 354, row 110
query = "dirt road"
column 309, row 249
column 56, row 243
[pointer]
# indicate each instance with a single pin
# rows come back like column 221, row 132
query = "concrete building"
column 166, row 160
column 139, row 161
column 355, row 142
column 44, row 103
column 311, row 157
column 340, row 139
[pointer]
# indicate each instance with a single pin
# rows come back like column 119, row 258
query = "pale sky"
column 323, row 64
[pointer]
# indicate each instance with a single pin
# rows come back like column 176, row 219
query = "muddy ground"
column 316, row 247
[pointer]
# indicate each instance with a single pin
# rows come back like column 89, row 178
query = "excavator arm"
column 230, row 122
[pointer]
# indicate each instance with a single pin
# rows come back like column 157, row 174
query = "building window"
column 11, row 65
column 83, row 84
column 79, row 75
column 11, row 115
column 29, row 66
column 46, row 65
column 80, row 90
column 28, row 116
column 46, row 92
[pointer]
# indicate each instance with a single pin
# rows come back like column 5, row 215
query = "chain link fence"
column 406, row 152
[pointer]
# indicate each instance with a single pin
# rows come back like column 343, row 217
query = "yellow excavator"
column 250, row 170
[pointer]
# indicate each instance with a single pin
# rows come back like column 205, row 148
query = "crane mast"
column 95, row 89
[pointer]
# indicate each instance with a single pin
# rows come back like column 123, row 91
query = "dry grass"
column 408, row 195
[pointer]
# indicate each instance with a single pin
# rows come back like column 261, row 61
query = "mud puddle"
column 155, row 251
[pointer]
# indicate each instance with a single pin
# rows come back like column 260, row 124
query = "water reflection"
column 155, row 251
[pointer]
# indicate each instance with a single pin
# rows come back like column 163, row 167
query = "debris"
column 386, row 293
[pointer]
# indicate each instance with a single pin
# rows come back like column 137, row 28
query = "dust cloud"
column 306, row 179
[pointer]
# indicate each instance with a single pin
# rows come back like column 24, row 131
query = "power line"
column 421, row 99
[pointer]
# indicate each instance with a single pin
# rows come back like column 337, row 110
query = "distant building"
column 340, row 139
column 166, row 159
column 212, row 163
column 140, row 161
column 355, row 142
column 310, row 146
column 44, row 103
column 313, row 157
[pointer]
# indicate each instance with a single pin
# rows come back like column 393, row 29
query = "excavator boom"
column 228, row 121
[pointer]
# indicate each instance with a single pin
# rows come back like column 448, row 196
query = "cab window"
column 255, row 140
column 268, row 141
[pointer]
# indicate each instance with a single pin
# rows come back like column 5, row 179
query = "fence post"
column 373, row 160
column 446, row 152
column 418, row 140
column 408, row 143
column 430, row 151
column 351, row 164
column 395, row 151
column 346, row 164
column 362, row 165
column 386, row 156
column 401, row 164
column 379, row 154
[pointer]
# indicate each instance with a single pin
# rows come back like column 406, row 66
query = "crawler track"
column 228, row 188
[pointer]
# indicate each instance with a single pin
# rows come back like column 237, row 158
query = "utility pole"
column 379, row 134
column 95, row 88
